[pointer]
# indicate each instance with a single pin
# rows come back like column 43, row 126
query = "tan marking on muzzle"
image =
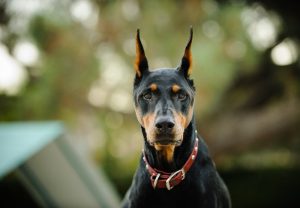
column 184, row 120
column 148, row 121
column 139, row 115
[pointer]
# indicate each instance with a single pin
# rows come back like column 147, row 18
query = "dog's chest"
column 187, row 194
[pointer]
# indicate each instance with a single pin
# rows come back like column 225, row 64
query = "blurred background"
column 73, row 61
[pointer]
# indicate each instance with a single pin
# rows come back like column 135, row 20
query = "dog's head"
column 163, row 98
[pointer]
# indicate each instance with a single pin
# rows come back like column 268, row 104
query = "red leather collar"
column 161, row 179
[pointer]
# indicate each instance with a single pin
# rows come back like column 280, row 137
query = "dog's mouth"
column 165, row 145
column 166, row 140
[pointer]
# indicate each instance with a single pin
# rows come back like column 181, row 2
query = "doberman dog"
column 175, row 168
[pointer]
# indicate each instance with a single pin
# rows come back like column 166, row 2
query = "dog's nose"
column 164, row 125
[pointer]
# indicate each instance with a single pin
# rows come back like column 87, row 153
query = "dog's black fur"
column 164, row 100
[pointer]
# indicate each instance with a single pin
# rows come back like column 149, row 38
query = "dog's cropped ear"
column 186, row 61
column 141, row 63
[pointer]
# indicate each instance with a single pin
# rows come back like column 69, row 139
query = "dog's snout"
column 164, row 125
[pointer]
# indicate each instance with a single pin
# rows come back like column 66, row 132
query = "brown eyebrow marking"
column 153, row 87
column 175, row 88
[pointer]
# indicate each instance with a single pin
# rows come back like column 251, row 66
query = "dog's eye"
column 181, row 96
column 147, row 96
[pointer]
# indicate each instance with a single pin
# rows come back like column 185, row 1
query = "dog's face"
column 164, row 106
column 163, row 99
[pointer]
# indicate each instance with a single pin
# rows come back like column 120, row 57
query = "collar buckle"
column 156, row 180
column 168, row 185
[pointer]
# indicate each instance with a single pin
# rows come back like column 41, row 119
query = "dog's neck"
column 181, row 153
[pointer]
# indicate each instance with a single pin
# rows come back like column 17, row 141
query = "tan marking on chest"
column 165, row 152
